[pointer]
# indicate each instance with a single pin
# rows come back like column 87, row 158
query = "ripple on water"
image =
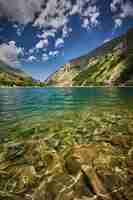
column 59, row 109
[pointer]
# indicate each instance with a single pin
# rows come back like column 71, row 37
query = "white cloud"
column 18, row 28
column 50, row 14
column 65, row 31
column 93, row 18
column 59, row 43
column 121, row 10
column 31, row 58
column 115, row 5
column 47, row 33
column 92, row 13
column 31, row 51
column 86, row 23
column 42, row 43
column 45, row 57
column 53, row 15
column 127, row 10
column 53, row 53
column 75, row 9
column 118, row 22
column 9, row 53
column 22, row 11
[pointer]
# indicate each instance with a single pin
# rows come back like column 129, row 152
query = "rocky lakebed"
column 89, row 159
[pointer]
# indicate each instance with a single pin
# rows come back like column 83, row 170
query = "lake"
column 26, row 112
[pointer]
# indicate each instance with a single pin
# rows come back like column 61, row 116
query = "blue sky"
column 39, row 36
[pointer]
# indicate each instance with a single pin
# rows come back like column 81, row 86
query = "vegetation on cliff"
column 110, row 64
column 10, row 76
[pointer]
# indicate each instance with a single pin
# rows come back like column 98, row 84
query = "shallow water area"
column 77, row 112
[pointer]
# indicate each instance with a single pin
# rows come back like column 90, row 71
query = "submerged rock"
column 80, row 155
column 123, row 141
column 101, row 170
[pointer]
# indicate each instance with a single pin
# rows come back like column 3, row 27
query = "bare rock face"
column 62, row 77
column 31, row 170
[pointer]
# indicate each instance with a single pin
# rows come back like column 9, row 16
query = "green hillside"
column 110, row 64
column 10, row 76
column 110, row 69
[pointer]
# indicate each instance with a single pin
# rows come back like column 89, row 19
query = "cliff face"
column 64, row 76
column 110, row 64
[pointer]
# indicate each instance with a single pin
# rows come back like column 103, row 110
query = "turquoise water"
column 23, row 109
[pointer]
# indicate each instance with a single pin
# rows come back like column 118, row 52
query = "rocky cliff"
column 110, row 64
column 64, row 76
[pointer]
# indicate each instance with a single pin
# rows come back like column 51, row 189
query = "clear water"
column 42, row 110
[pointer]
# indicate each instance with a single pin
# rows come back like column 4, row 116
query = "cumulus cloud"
column 51, row 16
column 54, row 14
column 66, row 31
column 42, row 43
column 121, row 10
column 31, row 58
column 22, row 11
column 59, row 43
column 115, row 4
column 53, row 53
column 91, row 13
column 126, row 10
column 9, row 53
column 45, row 57
column 31, row 51
column 57, row 13
column 86, row 23
column 75, row 9
column 18, row 28
column 47, row 33
column 118, row 22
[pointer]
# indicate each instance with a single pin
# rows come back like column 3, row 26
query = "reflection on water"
column 39, row 110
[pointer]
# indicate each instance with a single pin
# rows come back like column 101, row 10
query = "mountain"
column 10, row 76
column 109, row 64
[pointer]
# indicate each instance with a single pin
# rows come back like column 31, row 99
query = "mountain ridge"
column 105, row 65
column 11, row 76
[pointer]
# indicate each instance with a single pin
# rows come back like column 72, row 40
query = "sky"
column 39, row 36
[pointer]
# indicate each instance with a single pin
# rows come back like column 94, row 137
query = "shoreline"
column 91, row 86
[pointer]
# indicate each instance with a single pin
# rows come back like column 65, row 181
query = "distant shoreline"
column 92, row 86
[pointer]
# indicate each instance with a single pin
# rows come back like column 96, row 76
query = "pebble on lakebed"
column 31, row 170
column 90, row 158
